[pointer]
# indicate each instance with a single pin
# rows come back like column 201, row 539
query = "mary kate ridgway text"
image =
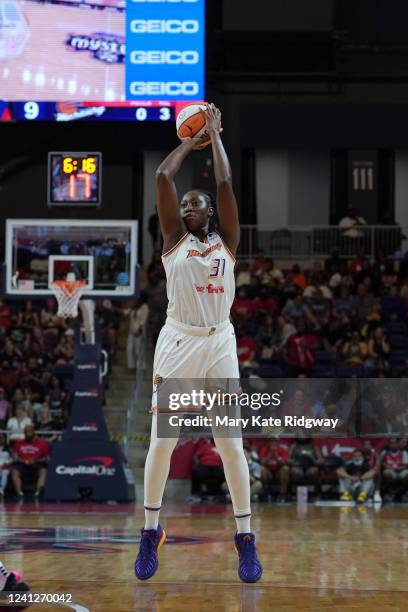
column 177, row 420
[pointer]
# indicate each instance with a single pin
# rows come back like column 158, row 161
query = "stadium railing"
column 314, row 241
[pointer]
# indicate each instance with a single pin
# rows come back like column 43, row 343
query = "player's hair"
column 211, row 201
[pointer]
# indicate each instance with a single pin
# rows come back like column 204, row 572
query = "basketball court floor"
column 315, row 558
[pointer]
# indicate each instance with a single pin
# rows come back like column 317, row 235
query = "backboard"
column 104, row 253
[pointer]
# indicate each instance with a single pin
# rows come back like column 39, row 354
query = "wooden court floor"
column 322, row 558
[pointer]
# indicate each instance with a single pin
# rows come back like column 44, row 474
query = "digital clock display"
column 74, row 179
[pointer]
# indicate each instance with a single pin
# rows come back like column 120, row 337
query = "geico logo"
column 160, row 26
column 169, row 88
column 94, row 470
column 164, row 57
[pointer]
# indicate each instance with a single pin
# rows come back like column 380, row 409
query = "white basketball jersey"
column 200, row 280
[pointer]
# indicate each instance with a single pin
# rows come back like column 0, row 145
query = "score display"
column 133, row 60
column 74, row 179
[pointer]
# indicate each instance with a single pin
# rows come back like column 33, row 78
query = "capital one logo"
column 86, row 427
column 100, row 467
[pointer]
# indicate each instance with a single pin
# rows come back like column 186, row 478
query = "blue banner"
column 165, row 49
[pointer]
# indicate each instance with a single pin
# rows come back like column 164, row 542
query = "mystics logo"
column 100, row 467
column 89, row 393
column 107, row 48
column 86, row 427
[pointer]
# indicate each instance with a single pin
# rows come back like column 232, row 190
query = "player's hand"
column 212, row 116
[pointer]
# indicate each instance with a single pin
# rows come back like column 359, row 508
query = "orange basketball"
column 190, row 122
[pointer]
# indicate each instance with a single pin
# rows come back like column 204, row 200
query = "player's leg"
column 225, row 366
column 177, row 357
column 16, row 478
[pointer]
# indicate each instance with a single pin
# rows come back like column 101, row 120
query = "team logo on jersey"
column 195, row 253
column 107, row 48
column 209, row 288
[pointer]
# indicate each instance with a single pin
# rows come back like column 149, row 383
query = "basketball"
column 190, row 122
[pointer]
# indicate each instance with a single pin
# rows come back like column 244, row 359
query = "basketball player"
column 197, row 340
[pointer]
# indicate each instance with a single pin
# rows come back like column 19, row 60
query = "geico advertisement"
column 165, row 49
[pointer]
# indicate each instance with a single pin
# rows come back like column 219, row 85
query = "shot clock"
column 74, row 179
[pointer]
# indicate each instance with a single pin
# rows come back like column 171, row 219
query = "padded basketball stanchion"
column 86, row 464
column 87, row 308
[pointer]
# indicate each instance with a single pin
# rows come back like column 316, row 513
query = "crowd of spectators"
column 351, row 470
column 341, row 318
column 36, row 346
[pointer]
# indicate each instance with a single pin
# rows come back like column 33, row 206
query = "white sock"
column 157, row 468
column 243, row 523
column 4, row 574
column 151, row 517
column 237, row 476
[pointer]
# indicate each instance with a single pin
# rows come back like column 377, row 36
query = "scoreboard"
column 74, row 179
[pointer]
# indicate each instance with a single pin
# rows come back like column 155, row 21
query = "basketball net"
column 68, row 293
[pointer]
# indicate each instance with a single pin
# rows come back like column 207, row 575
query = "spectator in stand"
column 316, row 287
column 243, row 274
column 267, row 331
column 259, row 262
column 265, row 304
column 208, row 471
column 22, row 399
column 364, row 303
column 5, row 462
column 45, row 422
column 394, row 465
column 136, row 340
column 298, row 278
column 378, row 352
column 273, row 457
column 305, row 460
column 297, row 405
column 299, row 351
column 64, row 351
column 354, row 351
column 270, row 276
column 373, row 320
column 27, row 318
column 296, row 309
column 285, row 331
column 320, row 309
column 246, row 347
column 5, row 315
column 11, row 354
column 393, row 305
column 356, row 478
column 50, row 322
column 351, row 225
column 17, row 424
column 243, row 307
column 31, row 456
column 5, row 408
column 8, row 376
column 56, row 396
column 345, row 303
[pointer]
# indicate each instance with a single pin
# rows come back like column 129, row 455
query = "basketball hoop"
column 68, row 293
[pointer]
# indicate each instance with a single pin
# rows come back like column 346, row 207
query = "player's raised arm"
column 226, row 203
column 168, row 206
